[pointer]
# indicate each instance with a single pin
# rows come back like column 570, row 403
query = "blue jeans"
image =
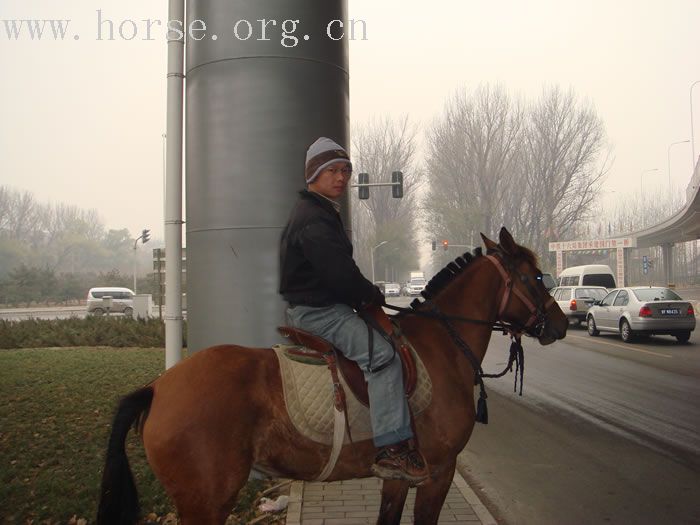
column 340, row 325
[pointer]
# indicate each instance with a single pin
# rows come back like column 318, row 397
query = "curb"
column 479, row 508
column 296, row 495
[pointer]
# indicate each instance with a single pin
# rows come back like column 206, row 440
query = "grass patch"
column 56, row 413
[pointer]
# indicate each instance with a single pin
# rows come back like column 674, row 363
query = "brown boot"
column 401, row 461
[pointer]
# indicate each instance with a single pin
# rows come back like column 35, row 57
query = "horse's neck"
column 472, row 295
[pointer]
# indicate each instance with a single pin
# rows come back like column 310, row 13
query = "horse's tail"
column 119, row 502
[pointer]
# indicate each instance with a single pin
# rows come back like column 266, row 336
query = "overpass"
column 683, row 226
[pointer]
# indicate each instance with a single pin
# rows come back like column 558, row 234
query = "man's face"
column 332, row 181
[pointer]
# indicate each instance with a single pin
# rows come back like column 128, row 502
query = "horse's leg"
column 198, row 436
column 393, row 498
column 203, row 485
column 431, row 496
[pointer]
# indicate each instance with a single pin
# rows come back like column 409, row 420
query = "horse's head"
column 525, row 301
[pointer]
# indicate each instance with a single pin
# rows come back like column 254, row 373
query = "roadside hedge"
column 91, row 331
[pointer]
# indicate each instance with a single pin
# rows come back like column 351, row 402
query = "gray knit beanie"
column 321, row 154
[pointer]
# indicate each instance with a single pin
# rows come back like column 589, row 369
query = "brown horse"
column 207, row 421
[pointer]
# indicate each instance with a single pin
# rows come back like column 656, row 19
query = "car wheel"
column 128, row 312
column 98, row 311
column 626, row 332
column 682, row 337
column 592, row 330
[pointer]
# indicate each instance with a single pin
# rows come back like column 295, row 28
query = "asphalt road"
column 605, row 433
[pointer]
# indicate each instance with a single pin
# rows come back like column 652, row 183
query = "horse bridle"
column 534, row 327
column 535, row 324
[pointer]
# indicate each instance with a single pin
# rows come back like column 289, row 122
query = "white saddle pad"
column 308, row 394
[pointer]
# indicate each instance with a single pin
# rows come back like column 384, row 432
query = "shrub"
column 91, row 331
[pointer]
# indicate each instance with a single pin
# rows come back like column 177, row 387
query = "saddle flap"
column 310, row 341
column 355, row 378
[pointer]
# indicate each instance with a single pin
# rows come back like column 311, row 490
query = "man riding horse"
column 325, row 289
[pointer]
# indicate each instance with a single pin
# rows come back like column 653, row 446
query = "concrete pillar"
column 667, row 255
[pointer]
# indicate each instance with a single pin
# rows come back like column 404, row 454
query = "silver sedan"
column 642, row 310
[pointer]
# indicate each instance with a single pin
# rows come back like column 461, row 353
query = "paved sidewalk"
column 356, row 502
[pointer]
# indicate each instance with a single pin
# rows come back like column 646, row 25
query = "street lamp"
column 372, row 256
column 669, row 160
column 692, row 134
column 641, row 187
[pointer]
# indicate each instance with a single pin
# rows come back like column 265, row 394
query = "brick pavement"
column 356, row 502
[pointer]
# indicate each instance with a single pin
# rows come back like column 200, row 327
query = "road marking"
column 626, row 347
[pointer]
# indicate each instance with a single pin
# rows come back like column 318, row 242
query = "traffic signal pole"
column 144, row 238
column 364, row 185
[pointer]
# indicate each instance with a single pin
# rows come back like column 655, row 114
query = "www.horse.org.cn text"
column 288, row 32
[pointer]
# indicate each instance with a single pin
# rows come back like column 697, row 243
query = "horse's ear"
column 490, row 245
column 507, row 242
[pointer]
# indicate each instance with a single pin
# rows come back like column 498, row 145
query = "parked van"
column 587, row 275
column 122, row 300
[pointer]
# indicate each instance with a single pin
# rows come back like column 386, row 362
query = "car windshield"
column 593, row 293
column 656, row 294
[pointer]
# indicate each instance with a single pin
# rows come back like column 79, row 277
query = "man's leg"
column 389, row 413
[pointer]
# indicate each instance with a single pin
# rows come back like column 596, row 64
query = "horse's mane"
column 453, row 269
column 445, row 276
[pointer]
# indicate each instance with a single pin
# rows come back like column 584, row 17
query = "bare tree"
column 59, row 236
column 21, row 215
column 380, row 147
column 472, row 148
column 561, row 167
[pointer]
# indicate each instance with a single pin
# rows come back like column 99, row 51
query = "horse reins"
column 534, row 326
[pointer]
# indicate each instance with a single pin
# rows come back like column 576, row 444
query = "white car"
column 392, row 289
column 415, row 287
column 575, row 301
column 99, row 302
column 643, row 311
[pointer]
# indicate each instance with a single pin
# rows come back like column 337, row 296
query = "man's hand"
column 376, row 300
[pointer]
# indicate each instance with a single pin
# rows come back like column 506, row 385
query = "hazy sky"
column 81, row 121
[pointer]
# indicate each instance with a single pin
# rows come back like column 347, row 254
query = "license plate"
column 670, row 311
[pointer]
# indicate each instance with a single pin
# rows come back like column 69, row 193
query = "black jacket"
column 316, row 264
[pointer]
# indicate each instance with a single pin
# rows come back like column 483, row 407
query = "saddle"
column 316, row 349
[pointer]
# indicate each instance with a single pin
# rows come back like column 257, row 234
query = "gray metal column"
column 253, row 106
column 667, row 254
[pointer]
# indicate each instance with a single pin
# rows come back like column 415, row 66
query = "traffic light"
column 397, row 180
column 363, row 178
column 434, row 244
column 145, row 236
column 445, row 244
